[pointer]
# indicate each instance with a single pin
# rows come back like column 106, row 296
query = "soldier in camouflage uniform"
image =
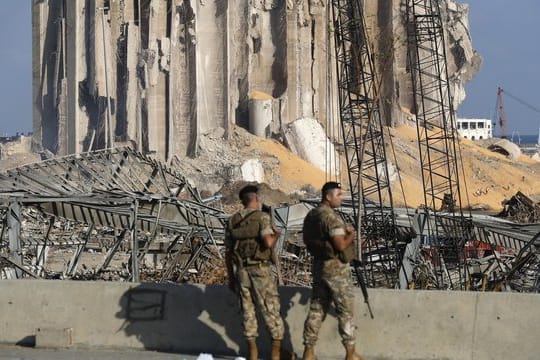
column 250, row 237
column 330, row 241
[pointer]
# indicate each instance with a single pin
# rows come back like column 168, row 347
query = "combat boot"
column 276, row 350
column 351, row 353
column 309, row 353
column 252, row 348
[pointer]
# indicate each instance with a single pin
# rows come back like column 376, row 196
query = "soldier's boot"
column 252, row 349
column 279, row 354
column 276, row 350
column 351, row 353
column 309, row 353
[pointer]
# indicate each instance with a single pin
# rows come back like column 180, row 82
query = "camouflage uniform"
column 332, row 282
column 258, row 287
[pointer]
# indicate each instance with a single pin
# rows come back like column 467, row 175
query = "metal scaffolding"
column 363, row 137
column 436, row 130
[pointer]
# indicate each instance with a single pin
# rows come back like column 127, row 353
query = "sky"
column 15, row 67
column 505, row 33
column 507, row 36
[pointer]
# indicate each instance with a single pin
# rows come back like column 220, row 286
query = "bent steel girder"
column 524, row 275
column 176, row 217
column 112, row 169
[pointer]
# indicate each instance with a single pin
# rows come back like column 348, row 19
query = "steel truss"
column 363, row 138
column 105, row 170
column 436, row 130
column 117, row 189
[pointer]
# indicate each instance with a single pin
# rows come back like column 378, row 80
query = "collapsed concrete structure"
column 158, row 73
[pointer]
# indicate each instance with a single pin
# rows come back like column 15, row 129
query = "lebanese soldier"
column 249, row 241
column 330, row 241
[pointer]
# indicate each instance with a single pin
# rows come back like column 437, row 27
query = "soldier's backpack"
column 315, row 238
column 317, row 242
column 245, row 232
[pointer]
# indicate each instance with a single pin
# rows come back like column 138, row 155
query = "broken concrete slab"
column 506, row 147
column 307, row 139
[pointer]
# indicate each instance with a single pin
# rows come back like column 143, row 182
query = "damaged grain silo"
column 157, row 74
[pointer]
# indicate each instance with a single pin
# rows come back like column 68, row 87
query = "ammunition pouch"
column 248, row 244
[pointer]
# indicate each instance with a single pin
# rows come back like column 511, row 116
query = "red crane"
column 501, row 114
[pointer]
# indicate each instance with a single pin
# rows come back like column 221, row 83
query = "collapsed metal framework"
column 436, row 130
column 88, row 209
column 525, row 272
column 118, row 189
column 362, row 127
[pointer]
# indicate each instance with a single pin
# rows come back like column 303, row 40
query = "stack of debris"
column 521, row 209
column 117, row 215
column 131, row 208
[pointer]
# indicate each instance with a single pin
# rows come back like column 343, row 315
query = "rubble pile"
column 220, row 163
column 521, row 209
column 141, row 216
column 76, row 219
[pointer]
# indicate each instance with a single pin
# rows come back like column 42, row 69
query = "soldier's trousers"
column 258, row 288
column 332, row 282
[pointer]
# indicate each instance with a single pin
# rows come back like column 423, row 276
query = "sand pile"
column 487, row 178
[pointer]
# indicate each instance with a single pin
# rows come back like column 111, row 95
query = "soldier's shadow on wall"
column 193, row 319
column 174, row 318
column 291, row 297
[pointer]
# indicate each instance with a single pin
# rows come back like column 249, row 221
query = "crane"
column 363, row 137
column 439, row 151
column 500, row 113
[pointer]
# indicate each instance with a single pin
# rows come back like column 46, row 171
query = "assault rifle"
column 275, row 258
column 360, row 279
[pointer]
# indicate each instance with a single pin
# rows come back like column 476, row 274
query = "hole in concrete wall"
column 278, row 25
column 257, row 44
column 145, row 25
column 459, row 55
column 122, row 79
column 169, row 18
column 221, row 8
column 136, row 12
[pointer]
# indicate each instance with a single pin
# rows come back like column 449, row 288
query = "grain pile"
column 487, row 178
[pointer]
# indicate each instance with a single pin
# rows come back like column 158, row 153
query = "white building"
column 474, row 129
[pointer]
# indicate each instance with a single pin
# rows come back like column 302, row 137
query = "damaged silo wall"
column 385, row 21
column 158, row 73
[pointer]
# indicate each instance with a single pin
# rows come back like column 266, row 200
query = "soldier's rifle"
column 357, row 265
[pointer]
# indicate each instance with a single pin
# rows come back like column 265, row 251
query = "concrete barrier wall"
column 192, row 319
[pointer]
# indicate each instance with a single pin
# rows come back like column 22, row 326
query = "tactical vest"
column 317, row 239
column 245, row 232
